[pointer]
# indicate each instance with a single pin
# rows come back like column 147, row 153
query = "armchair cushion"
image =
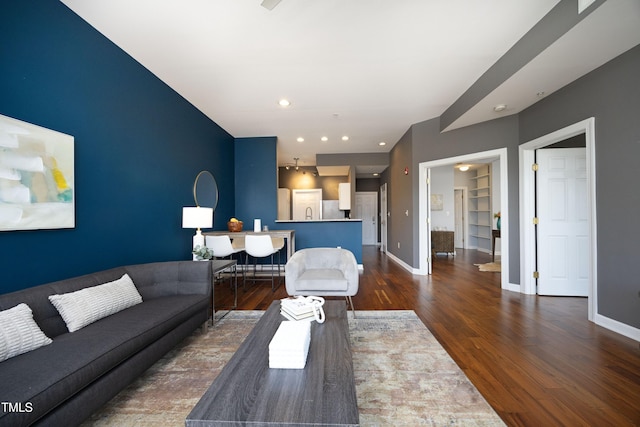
column 322, row 279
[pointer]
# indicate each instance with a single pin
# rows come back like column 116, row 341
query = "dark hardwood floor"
column 537, row 360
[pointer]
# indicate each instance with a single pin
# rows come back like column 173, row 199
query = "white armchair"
column 323, row 272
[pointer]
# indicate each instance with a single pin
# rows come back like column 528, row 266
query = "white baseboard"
column 512, row 287
column 618, row 327
column 403, row 264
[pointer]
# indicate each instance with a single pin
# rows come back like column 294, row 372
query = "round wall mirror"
column 205, row 190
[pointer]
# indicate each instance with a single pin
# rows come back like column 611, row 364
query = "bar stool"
column 262, row 246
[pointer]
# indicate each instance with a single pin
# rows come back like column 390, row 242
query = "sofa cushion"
column 19, row 333
column 83, row 307
column 49, row 375
column 322, row 279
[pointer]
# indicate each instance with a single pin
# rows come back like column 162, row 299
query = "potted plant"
column 202, row 253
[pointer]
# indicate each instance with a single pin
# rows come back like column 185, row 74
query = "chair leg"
column 350, row 301
column 279, row 276
column 272, row 288
column 246, row 269
column 244, row 274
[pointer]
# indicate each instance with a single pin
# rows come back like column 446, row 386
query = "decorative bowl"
column 234, row 227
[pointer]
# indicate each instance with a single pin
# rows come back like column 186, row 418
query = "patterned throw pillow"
column 81, row 308
column 19, row 333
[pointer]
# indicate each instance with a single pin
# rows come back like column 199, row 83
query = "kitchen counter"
column 329, row 233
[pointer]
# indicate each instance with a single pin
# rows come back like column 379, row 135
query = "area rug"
column 403, row 376
column 490, row 266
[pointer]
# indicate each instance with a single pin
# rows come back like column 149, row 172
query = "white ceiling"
column 368, row 69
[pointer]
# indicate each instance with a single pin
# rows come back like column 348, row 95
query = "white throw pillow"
column 81, row 308
column 19, row 333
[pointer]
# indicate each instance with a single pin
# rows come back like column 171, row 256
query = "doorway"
column 366, row 209
column 461, row 207
column 424, row 212
column 528, row 211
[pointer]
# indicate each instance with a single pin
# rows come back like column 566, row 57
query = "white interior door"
column 367, row 211
column 307, row 204
column 563, row 227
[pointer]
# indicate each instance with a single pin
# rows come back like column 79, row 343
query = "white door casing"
column 383, row 217
column 563, row 227
column 460, row 214
column 501, row 153
column 427, row 226
column 527, row 208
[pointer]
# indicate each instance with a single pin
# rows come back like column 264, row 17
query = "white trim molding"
column 527, row 208
column 618, row 327
column 501, row 154
column 402, row 263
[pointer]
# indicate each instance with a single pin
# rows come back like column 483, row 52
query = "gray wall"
column 297, row 180
column 400, row 198
column 423, row 143
column 611, row 94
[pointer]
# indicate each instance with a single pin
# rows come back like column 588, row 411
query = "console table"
column 248, row 392
column 442, row 241
column 218, row 266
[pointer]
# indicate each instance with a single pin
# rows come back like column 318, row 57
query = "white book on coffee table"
column 289, row 346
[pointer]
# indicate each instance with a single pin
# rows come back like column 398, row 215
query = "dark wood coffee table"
column 247, row 392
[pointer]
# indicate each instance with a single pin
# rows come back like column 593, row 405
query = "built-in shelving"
column 480, row 216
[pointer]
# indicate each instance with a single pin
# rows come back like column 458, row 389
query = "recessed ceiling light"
column 345, row 138
column 300, row 139
column 500, row 107
column 324, row 139
column 381, row 143
column 284, row 103
column 376, row 174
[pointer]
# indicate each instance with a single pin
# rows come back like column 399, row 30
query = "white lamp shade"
column 197, row 217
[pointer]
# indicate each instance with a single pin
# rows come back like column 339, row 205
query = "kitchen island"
column 328, row 233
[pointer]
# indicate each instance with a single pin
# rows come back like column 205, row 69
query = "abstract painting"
column 437, row 202
column 36, row 177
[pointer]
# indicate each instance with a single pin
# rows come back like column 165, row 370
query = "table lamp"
column 197, row 217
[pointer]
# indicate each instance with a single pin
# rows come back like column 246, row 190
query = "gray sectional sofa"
column 64, row 382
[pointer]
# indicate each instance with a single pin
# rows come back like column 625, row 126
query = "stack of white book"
column 296, row 308
column 289, row 346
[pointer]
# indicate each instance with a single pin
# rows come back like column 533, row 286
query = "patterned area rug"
column 403, row 376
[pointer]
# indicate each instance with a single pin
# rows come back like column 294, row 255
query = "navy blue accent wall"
column 256, row 186
column 138, row 147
